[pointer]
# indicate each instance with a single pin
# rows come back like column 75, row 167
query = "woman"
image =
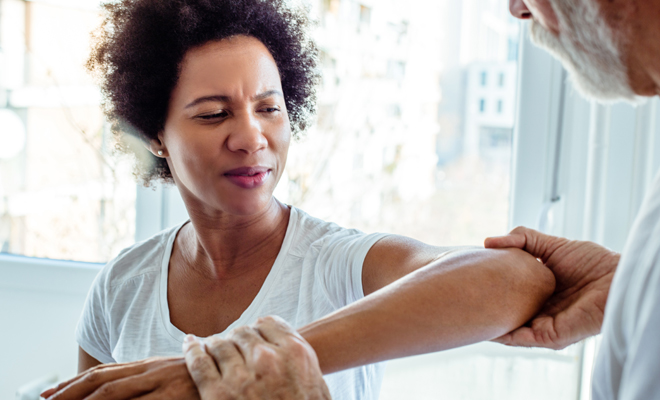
column 215, row 90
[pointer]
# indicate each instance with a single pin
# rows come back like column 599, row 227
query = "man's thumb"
column 507, row 241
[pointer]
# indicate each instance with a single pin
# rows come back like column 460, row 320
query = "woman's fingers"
column 202, row 368
column 62, row 385
column 89, row 381
column 124, row 388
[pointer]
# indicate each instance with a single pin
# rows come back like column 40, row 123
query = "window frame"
column 576, row 172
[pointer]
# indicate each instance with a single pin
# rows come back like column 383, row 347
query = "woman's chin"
column 246, row 207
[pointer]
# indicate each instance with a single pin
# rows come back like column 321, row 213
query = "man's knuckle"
column 225, row 352
column 240, row 376
column 213, row 341
column 198, row 362
column 239, row 332
column 293, row 348
column 265, row 351
column 224, row 392
column 264, row 320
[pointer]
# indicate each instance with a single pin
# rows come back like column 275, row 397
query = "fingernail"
column 187, row 342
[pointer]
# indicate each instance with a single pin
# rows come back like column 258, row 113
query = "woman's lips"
column 248, row 177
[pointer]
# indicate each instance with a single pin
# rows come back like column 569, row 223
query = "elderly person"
column 214, row 90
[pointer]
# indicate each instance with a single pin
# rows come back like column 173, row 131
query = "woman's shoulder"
column 140, row 259
column 312, row 232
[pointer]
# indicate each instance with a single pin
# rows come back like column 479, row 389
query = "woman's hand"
column 583, row 272
column 155, row 378
column 268, row 360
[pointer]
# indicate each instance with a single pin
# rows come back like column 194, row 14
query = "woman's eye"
column 270, row 109
column 218, row 115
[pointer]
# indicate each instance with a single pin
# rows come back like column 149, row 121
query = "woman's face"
column 227, row 131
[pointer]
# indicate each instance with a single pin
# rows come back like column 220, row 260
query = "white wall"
column 40, row 302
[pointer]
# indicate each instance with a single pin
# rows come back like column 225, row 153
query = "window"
column 500, row 106
column 512, row 50
column 396, row 69
column 484, row 78
column 482, row 105
column 63, row 194
column 501, row 79
column 365, row 15
column 331, row 6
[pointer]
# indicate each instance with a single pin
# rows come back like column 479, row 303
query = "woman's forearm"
column 464, row 297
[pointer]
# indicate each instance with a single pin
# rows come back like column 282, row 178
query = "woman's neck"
column 220, row 246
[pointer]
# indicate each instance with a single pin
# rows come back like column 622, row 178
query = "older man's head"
column 602, row 43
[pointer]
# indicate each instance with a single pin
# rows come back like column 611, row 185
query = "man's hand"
column 583, row 272
column 268, row 360
column 150, row 379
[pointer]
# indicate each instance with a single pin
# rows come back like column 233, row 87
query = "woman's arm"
column 85, row 361
column 444, row 301
column 419, row 301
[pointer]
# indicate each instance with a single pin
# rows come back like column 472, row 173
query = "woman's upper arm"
column 394, row 257
column 85, row 361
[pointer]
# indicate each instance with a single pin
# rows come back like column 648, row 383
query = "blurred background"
column 414, row 136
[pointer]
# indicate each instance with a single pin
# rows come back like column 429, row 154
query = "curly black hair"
column 141, row 43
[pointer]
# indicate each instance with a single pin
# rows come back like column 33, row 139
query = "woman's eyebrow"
column 217, row 98
column 227, row 99
column 267, row 94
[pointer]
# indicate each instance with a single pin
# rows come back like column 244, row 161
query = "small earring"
column 160, row 152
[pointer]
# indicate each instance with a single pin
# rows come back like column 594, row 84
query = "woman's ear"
column 156, row 147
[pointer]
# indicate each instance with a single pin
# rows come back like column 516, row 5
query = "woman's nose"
column 519, row 10
column 247, row 135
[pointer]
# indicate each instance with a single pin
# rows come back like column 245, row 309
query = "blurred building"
column 479, row 80
column 377, row 119
column 409, row 91
column 489, row 108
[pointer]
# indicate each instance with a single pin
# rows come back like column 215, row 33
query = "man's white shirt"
column 628, row 364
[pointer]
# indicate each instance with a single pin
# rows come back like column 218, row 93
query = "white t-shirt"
column 318, row 270
column 628, row 364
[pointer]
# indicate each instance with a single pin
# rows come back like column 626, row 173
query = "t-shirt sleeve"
column 340, row 265
column 92, row 332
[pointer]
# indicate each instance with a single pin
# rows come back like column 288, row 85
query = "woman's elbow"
column 530, row 284
column 533, row 275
